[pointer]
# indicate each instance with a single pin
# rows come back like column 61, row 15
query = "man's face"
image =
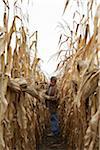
column 53, row 82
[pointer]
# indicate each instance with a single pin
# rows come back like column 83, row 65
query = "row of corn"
column 22, row 111
column 79, row 108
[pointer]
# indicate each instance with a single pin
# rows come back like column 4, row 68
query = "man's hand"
column 53, row 98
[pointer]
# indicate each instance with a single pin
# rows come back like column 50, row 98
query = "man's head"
column 53, row 80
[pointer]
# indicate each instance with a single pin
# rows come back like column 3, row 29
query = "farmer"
column 52, row 105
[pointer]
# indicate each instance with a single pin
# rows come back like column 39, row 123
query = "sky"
column 45, row 16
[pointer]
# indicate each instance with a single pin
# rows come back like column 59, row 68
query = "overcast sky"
column 44, row 17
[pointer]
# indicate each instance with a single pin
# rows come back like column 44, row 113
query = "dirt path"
column 52, row 143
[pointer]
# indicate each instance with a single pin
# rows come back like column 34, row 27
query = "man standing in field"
column 52, row 105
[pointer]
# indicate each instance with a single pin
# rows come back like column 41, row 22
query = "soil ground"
column 52, row 143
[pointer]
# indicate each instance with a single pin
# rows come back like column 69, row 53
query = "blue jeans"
column 54, row 123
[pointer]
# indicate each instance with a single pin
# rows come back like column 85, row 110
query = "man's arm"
column 56, row 96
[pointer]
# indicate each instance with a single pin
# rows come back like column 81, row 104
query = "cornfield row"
column 79, row 108
column 23, row 115
column 22, row 112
